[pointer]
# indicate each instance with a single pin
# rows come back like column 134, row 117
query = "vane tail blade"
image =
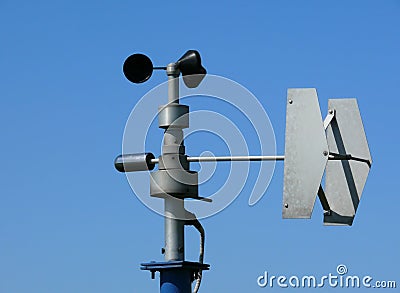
column 306, row 153
column 345, row 179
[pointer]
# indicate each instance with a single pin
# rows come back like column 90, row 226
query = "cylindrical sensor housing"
column 173, row 115
column 134, row 162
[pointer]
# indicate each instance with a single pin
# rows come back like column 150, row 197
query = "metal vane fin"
column 345, row 179
column 306, row 153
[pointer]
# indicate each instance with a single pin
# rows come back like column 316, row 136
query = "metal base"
column 175, row 276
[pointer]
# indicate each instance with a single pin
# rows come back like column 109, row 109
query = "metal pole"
column 174, row 280
column 174, row 208
column 176, row 274
column 174, row 229
column 173, row 83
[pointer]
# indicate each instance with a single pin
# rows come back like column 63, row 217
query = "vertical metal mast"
column 173, row 182
column 174, row 207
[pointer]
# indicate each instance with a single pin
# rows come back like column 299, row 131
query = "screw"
column 290, row 101
column 325, row 153
column 330, row 111
column 286, row 205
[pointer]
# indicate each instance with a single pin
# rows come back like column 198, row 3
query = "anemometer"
column 336, row 146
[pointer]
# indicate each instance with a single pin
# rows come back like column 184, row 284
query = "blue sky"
column 70, row 223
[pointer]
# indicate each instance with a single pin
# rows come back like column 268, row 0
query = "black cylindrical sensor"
column 134, row 162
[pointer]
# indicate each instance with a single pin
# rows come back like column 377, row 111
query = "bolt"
column 162, row 250
column 326, row 153
column 330, row 111
column 290, row 101
column 286, row 205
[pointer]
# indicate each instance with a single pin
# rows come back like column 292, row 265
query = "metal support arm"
column 229, row 159
column 331, row 156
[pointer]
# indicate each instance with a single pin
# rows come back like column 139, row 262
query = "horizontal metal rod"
column 230, row 159
column 331, row 156
column 235, row 158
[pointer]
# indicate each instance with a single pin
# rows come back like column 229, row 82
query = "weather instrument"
column 336, row 146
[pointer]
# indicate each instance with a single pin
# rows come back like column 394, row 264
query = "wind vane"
column 336, row 144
